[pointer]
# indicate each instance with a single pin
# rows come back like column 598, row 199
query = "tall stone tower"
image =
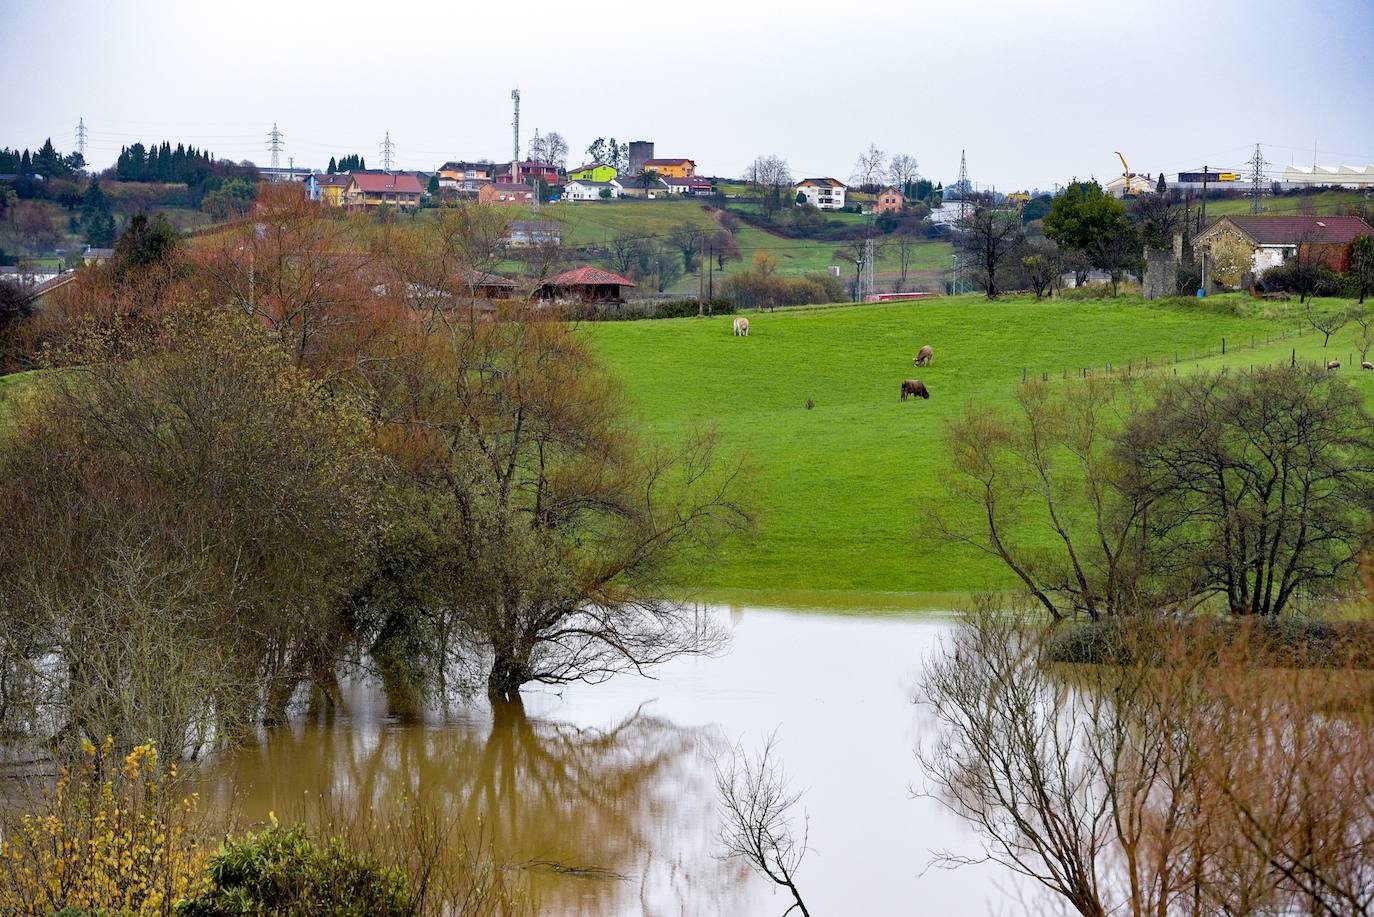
column 641, row 151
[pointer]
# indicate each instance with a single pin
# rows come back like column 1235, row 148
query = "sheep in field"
column 742, row 327
column 914, row 387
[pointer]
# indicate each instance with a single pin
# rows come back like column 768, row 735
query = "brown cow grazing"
column 1333, row 364
column 925, row 356
column 914, row 387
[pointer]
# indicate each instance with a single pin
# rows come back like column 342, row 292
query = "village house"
column 596, row 172
column 506, row 193
column 586, row 284
column 530, row 233
column 455, row 172
column 674, row 168
column 691, row 185
column 530, row 172
column 822, row 193
column 328, row 189
column 635, row 187
column 889, row 200
column 587, row 190
column 370, row 190
column 1274, row 239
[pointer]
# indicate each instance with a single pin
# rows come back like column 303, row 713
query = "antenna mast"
column 515, row 125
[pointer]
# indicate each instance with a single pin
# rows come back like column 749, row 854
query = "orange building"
column 889, row 200
column 672, row 168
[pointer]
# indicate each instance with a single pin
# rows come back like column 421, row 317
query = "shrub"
column 283, row 871
column 117, row 843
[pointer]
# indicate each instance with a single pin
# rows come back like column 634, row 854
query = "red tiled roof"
column 375, row 182
column 1280, row 230
column 588, row 276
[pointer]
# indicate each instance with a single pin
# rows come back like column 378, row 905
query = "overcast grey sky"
column 1037, row 92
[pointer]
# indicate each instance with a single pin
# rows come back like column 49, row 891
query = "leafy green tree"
column 1087, row 219
column 1362, row 264
column 145, row 243
column 48, row 162
column 97, row 221
column 1036, row 208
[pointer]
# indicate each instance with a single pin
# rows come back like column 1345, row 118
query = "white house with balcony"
column 822, row 193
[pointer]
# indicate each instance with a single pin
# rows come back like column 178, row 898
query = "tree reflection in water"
column 600, row 820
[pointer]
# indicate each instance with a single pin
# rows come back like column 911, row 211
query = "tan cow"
column 741, row 327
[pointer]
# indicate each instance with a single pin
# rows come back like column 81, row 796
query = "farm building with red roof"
column 585, row 284
column 1274, row 239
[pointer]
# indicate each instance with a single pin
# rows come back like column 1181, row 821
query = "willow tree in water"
column 549, row 535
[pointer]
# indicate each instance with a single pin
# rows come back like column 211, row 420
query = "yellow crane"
column 1125, row 175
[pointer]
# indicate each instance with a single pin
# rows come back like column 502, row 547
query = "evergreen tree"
column 97, row 222
column 25, row 163
column 434, row 183
column 333, row 166
column 47, row 161
column 1161, row 187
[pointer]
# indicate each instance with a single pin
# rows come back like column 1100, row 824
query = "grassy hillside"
column 593, row 223
column 1323, row 202
column 847, row 487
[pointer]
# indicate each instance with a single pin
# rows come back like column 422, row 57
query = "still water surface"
column 619, row 776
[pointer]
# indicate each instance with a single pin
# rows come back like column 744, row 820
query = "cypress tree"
column 333, row 166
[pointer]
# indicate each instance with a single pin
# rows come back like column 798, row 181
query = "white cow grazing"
column 742, row 327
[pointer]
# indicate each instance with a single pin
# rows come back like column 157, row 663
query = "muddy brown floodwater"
column 616, row 780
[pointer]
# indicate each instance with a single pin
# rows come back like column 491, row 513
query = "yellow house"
column 671, row 168
column 334, row 189
column 593, row 172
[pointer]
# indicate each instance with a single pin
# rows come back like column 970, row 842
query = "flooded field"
column 604, row 795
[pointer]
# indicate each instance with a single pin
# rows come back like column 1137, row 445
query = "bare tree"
column 905, row 244
column 903, row 171
column 687, row 236
column 756, row 806
column 550, row 148
column 870, row 166
column 1043, row 267
column 1259, row 484
column 1327, row 323
column 989, row 237
column 769, row 176
column 1051, row 467
column 1365, row 339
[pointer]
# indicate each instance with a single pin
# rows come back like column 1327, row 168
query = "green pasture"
column 847, row 489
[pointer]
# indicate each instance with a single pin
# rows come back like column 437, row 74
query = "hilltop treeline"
column 163, row 163
column 47, row 161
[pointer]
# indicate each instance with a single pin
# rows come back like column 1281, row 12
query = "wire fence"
column 1173, row 359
